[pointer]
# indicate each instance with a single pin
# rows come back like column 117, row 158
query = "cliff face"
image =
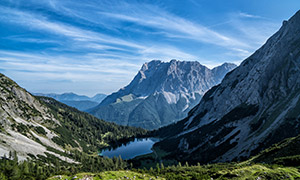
column 20, row 115
column 160, row 93
column 256, row 105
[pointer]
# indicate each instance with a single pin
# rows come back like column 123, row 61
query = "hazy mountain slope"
column 65, row 96
column 80, row 102
column 160, row 93
column 98, row 98
column 81, row 105
column 42, row 126
column 257, row 104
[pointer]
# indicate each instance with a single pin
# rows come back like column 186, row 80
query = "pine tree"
column 15, row 172
column 2, row 176
column 15, row 156
column 25, row 167
column 10, row 155
column 162, row 166
column 157, row 168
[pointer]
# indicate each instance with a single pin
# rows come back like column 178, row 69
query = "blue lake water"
column 132, row 149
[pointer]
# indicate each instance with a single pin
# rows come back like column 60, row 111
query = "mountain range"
column 80, row 102
column 251, row 116
column 161, row 93
column 256, row 105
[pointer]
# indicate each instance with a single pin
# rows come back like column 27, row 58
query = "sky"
column 97, row 46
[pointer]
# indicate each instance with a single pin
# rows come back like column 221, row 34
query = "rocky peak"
column 174, row 76
column 160, row 93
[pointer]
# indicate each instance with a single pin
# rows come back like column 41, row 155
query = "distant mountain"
column 41, row 127
column 160, row 93
column 98, row 98
column 256, row 105
column 82, row 105
column 80, row 102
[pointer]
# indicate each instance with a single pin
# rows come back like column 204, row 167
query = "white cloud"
column 247, row 15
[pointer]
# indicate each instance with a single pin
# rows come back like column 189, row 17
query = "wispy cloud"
column 176, row 27
column 105, row 42
column 247, row 15
column 154, row 17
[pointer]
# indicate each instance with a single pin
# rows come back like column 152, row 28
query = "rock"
column 161, row 93
column 254, row 106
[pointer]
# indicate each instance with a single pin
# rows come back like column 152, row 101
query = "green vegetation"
column 82, row 135
column 43, row 167
column 40, row 130
column 284, row 153
column 84, row 130
column 108, row 175
column 151, row 160
column 280, row 161
column 224, row 171
column 10, row 169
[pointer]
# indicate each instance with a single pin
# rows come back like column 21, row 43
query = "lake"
column 132, row 149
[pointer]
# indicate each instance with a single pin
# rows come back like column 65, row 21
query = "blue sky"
column 97, row 46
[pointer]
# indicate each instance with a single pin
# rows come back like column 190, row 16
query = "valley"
column 174, row 120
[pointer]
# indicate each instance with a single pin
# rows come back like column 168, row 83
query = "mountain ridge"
column 160, row 93
column 81, row 102
column 241, row 116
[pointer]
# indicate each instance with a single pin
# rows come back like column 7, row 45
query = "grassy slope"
column 230, row 171
column 216, row 171
column 285, row 153
column 109, row 175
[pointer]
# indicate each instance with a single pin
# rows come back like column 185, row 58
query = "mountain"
column 160, row 93
column 98, row 98
column 256, row 105
column 82, row 105
column 80, row 102
column 41, row 127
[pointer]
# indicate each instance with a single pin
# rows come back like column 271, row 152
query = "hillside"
column 255, row 106
column 160, row 93
column 41, row 127
column 284, row 153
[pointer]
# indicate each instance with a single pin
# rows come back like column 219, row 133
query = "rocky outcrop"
column 256, row 105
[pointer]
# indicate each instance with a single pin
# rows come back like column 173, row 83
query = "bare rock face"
column 160, row 93
column 257, row 104
column 19, row 110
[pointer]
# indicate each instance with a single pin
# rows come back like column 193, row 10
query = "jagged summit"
column 174, row 76
column 175, row 86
